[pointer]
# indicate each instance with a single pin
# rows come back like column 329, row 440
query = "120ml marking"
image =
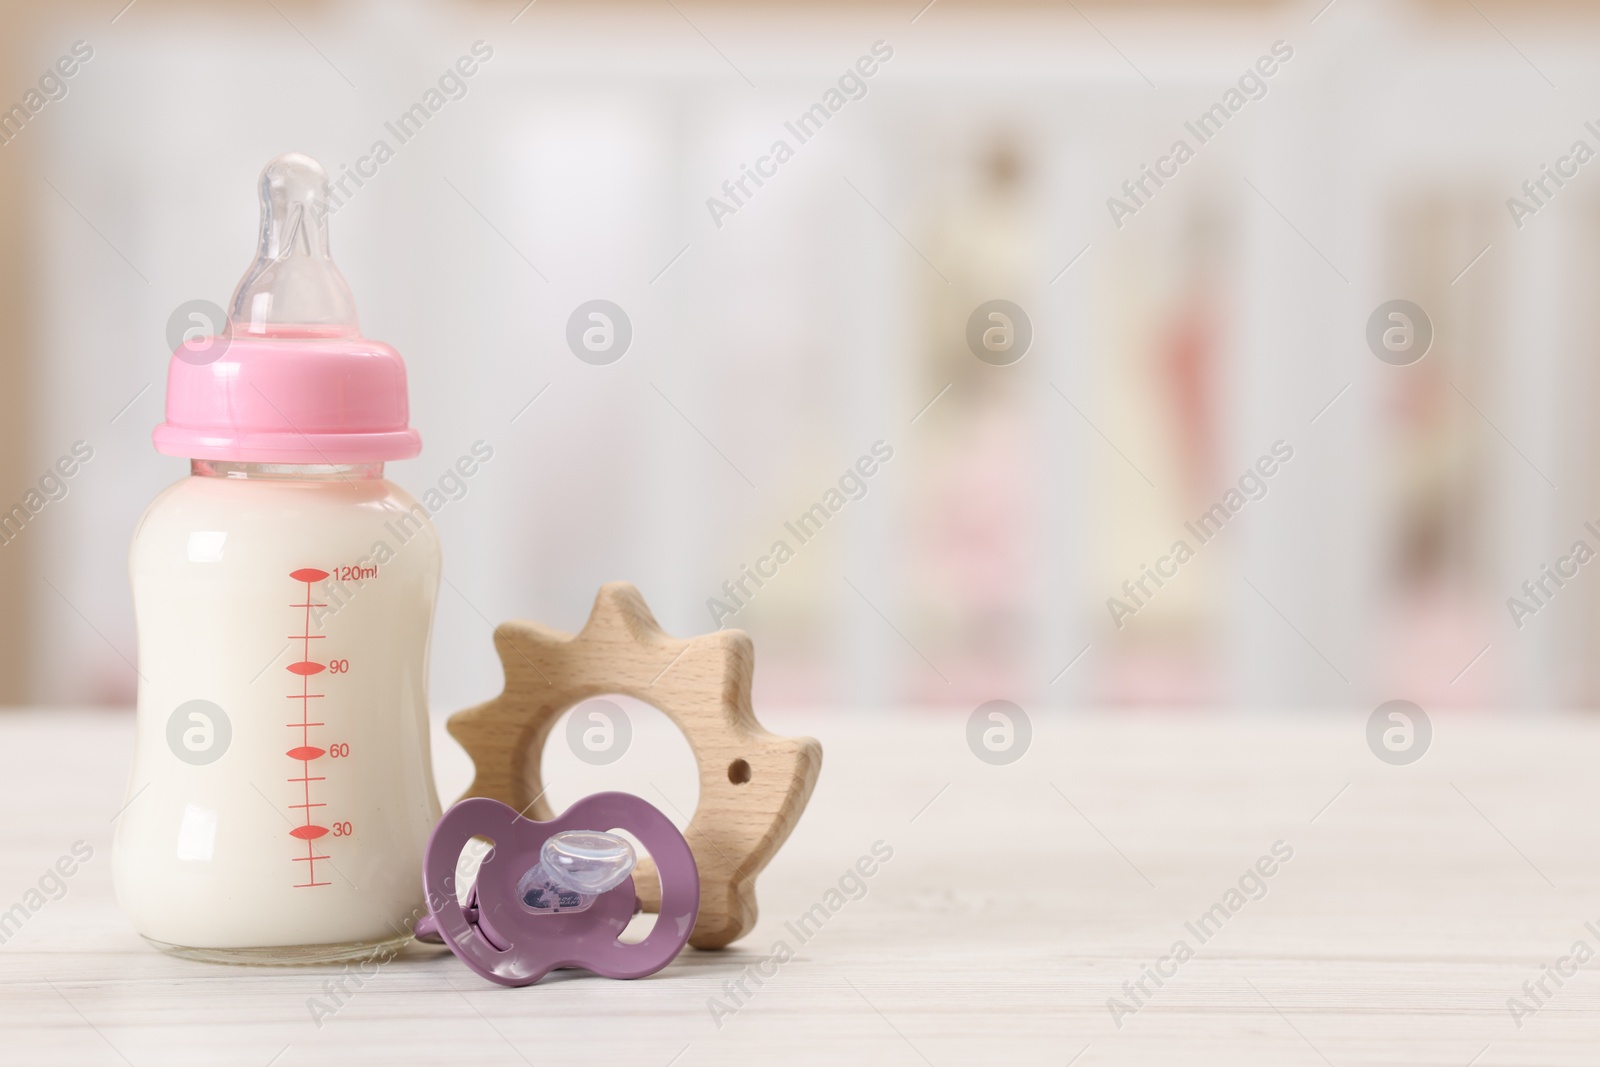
column 356, row 572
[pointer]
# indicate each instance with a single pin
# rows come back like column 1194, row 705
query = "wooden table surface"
column 1018, row 902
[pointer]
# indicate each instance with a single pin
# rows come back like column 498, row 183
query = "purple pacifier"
column 558, row 893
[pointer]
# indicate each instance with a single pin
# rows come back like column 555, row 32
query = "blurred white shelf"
column 1019, row 899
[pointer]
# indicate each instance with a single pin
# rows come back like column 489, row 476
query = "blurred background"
column 1175, row 341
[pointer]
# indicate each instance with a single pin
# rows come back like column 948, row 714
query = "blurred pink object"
column 1439, row 651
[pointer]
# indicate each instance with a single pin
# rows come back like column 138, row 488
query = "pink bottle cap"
column 291, row 379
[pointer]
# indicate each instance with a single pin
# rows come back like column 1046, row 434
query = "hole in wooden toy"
column 473, row 853
column 738, row 772
column 617, row 742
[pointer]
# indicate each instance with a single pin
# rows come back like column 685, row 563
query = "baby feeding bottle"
column 282, row 792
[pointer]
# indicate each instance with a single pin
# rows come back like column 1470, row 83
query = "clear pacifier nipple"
column 575, row 867
column 294, row 289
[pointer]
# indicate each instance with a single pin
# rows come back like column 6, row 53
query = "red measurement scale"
column 306, row 753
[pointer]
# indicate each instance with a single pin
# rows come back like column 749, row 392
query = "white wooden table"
column 1417, row 902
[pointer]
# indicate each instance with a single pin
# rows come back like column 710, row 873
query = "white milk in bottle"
column 282, row 792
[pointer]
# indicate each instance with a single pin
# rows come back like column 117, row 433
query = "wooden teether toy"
column 753, row 784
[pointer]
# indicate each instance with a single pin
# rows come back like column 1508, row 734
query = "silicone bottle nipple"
column 294, row 289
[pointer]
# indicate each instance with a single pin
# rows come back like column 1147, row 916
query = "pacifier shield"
column 511, row 942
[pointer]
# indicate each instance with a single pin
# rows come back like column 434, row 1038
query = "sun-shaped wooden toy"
column 753, row 784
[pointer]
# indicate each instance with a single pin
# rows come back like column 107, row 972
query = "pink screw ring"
column 514, row 932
